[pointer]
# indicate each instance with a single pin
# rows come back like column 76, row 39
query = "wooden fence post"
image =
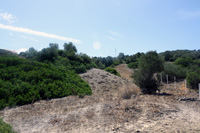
column 167, row 81
column 199, row 91
column 185, row 86
column 174, row 82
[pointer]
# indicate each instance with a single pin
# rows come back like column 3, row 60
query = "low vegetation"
column 112, row 70
column 24, row 81
column 5, row 128
column 173, row 70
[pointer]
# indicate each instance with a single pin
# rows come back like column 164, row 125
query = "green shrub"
column 112, row 70
column 150, row 63
column 5, row 128
column 174, row 70
column 30, row 81
column 80, row 69
column 193, row 78
column 184, row 62
column 133, row 65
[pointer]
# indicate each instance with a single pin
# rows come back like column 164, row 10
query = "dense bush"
column 173, row 55
column 5, row 128
column 193, row 77
column 23, row 81
column 173, row 70
column 150, row 63
column 133, row 65
column 184, row 62
column 67, row 57
column 112, row 70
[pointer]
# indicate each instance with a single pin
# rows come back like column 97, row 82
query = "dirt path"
column 106, row 110
column 124, row 71
column 126, row 74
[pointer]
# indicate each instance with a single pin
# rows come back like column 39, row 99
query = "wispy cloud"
column 8, row 17
column 113, row 35
column 189, row 14
column 29, row 38
column 38, row 33
column 111, row 38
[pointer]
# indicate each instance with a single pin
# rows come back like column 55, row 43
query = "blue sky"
column 98, row 27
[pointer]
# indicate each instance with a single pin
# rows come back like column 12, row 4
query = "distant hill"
column 7, row 52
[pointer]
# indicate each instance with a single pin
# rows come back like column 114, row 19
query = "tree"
column 149, row 64
column 70, row 48
column 168, row 56
column 31, row 53
column 49, row 54
column 109, row 61
column 121, row 56
column 184, row 62
column 54, row 46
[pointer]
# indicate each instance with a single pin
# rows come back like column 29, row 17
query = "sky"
column 101, row 27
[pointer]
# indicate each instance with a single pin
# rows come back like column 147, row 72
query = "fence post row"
column 175, row 84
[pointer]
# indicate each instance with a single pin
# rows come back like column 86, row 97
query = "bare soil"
column 116, row 105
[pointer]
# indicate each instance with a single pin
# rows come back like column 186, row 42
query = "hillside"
column 7, row 52
column 107, row 110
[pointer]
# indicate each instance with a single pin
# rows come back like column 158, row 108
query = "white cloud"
column 38, row 33
column 29, row 38
column 96, row 45
column 111, row 38
column 114, row 33
column 189, row 14
column 21, row 50
column 8, row 17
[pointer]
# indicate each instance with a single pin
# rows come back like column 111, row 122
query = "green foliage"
column 61, row 58
column 23, row 81
column 184, row 62
column 80, row 69
column 172, row 70
column 133, row 65
column 173, row 55
column 150, row 63
column 133, row 58
column 48, row 54
column 99, row 62
column 193, row 77
column 70, row 48
column 5, row 128
column 112, row 70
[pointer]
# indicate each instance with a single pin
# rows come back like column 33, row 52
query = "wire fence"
column 167, row 81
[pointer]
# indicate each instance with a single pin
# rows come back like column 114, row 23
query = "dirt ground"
column 116, row 105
